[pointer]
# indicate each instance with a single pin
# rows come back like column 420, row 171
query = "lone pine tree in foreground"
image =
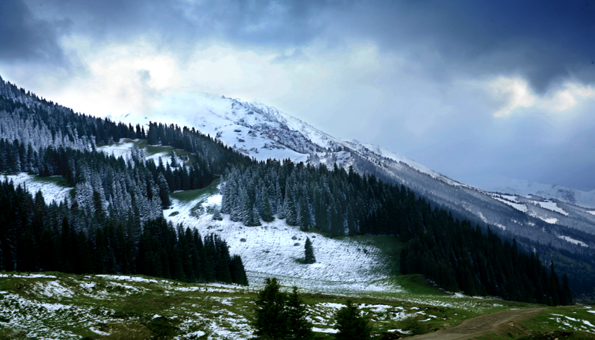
column 309, row 252
column 351, row 324
column 279, row 315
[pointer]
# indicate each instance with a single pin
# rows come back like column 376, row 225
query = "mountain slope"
column 260, row 132
column 263, row 132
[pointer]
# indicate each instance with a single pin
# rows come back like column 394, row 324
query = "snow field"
column 275, row 249
column 573, row 241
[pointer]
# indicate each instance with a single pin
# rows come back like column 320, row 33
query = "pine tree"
column 238, row 273
column 174, row 160
column 267, row 212
column 299, row 326
column 290, row 210
column 309, row 252
column 351, row 324
column 270, row 319
column 163, row 190
column 280, row 316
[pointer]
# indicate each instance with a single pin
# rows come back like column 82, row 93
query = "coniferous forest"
column 455, row 255
column 114, row 222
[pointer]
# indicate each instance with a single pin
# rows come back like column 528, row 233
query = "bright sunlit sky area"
column 480, row 91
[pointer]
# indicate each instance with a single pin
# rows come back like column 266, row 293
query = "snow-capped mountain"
column 263, row 132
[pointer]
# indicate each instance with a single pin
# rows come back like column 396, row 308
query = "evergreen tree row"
column 124, row 187
column 35, row 236
column 459, row 257
column 333, row 201
column 35, row 121
column 452, row 253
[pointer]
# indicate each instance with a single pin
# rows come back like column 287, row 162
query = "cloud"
column 25, row 38
column 183, row 23
column 546, row 42
column 517, row 97
column 464, row 87
column 515, row 93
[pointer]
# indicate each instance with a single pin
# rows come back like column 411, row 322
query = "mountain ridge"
column 263, row 132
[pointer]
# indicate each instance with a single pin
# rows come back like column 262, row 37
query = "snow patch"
column 573, row 241
column 118, row 150
column 128, row 278
column 325, row 330
column 29, row 276
column 552, row 206
column 517, row 206
column 51, row 192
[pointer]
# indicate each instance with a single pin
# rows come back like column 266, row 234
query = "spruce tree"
column 267, row 211
column 351, row 324
column 280, row 316
column 299, row 326
column 163, row 190
column 270, row 319
column 309, row 252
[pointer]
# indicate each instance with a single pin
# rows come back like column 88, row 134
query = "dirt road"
column 490, row 323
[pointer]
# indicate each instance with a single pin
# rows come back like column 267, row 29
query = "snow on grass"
column 552, row 206
column 38, row 319
column 165, row 158
column 325, row 330
column 29, row 276
column 572, row 323
column 53, row 289
column 275, row 250
column 573, row 241
column 129, row 278
column 211, row 311
column 52, row 192
column 192, row 335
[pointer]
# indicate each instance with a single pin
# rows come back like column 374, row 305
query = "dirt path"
column 490, row 323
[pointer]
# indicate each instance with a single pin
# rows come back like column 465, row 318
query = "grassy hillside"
column 62, row 306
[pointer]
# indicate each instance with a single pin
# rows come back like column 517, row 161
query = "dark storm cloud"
column 543, row 41
column 254, row 23
column 546, row 42
column 24, row 38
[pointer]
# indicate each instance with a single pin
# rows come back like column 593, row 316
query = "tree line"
column 35, row 236
column 459, row 257
column 450, row 252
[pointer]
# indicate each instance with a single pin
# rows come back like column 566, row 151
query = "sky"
column 480, row 91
